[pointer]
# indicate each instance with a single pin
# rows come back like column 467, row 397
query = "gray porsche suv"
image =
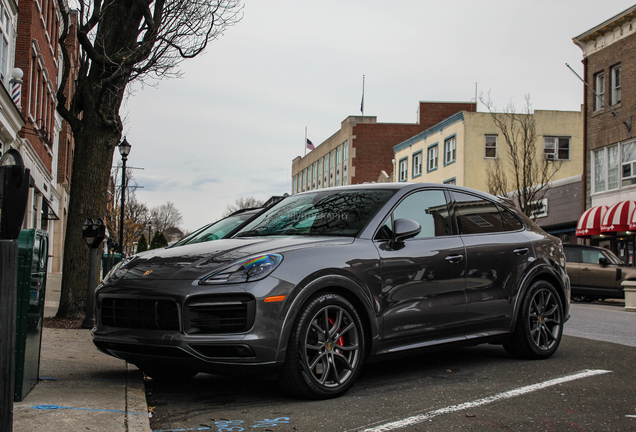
column 329, row 278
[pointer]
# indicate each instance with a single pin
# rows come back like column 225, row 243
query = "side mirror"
column 404, row 229
column 603, row 261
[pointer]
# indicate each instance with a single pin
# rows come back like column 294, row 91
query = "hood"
column 190, row 262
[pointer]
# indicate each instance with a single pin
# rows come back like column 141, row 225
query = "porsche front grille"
column 145, row 314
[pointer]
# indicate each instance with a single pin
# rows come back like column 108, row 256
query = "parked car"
column 596, row 273
column 327, row 279
column 222, row 228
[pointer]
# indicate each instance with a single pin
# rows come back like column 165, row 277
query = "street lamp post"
column 149, row 232
column 124, row 150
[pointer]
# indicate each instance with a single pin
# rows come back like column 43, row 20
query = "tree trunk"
column 94, row 146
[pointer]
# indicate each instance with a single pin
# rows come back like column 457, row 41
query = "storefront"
column 611, row 227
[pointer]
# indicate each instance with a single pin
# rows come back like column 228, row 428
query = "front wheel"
column 539, row 324
column 326, row 349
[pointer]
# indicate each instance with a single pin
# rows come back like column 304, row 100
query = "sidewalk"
column 80, row 388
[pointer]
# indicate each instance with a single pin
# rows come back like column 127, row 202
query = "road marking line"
column 485, row 401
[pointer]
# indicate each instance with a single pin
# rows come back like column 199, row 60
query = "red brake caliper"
column 340, row 339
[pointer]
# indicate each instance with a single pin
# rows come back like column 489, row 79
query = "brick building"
column 66, row 147
column 38, row 56
column 609, row 59
column 362, row 150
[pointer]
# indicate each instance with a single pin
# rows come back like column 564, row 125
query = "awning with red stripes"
column 590, row 221
column 618, row 217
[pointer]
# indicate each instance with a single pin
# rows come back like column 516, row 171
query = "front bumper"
column 205, row 328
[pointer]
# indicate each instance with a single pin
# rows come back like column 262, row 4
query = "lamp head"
column 124, row 148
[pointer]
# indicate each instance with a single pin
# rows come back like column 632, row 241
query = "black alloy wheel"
column 539, row 324
column 326, row 349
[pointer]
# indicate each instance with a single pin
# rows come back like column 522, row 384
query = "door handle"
column 454, row 258
column 521, row 251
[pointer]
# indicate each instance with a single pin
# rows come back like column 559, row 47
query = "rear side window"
column 511, row 221
column 476, row 215
column 572, row 255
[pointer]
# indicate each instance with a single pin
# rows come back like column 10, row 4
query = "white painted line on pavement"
column 485, row 401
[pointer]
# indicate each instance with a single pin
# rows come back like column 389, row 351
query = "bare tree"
column 528, row 174
column 119, row 41
column 242, row 203
column 165, row 216
column 136, row 213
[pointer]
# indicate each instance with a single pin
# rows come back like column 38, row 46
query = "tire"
column 326, row 349
column 539, row 324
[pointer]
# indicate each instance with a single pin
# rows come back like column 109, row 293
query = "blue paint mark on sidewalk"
column 56, row 407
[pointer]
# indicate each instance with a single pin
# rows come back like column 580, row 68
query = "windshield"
column 613, row 258
column 217, row 230
column 327, row 213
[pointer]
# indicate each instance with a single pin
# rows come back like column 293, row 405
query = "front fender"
column 333, row 283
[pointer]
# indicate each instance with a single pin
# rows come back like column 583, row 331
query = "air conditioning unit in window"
column 550, row 156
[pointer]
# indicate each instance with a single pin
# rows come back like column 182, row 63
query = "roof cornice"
column 608, row 26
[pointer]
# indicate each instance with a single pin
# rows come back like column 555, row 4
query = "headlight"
column 247, row 270
column 116, row 272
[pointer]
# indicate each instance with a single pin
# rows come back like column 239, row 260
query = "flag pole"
column 362, row 103
column 305, row 140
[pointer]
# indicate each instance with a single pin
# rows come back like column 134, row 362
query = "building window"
column 490, row 147
column 5, row 37
column 599, row 80
column 614, row 167
column 432, row 158
column 556, row 148
column 450, row 150
column 324, row 171
column 599, row 170
column 452, row 181
column 313, row 175
column 417, row 164
column 629, row 163
column 616, row 84
column 318, row 172
column 403, row 169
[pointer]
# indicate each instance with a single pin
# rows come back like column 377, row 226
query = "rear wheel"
column 326, row 349
column 539, row 324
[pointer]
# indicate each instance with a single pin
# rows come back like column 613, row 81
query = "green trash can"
column 109, row 261
column 33, row 247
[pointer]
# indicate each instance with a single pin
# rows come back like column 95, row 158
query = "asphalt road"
column 586, row 386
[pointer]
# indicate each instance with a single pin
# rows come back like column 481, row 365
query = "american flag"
column 310, row 145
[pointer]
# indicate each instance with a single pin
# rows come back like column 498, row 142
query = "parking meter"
column 93, row 232
column 14, row 193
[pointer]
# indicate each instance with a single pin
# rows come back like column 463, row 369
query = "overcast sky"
column 233, row 124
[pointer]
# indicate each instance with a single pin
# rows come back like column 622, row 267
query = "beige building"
column 460, row 149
